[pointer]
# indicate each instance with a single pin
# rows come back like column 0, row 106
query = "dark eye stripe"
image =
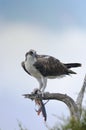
column 31, row 52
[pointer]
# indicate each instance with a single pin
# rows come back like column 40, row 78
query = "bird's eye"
column 31, row 52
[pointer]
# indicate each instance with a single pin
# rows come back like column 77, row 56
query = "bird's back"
column 50, row 66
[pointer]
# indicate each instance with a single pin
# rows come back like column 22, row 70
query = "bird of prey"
column 44, row 67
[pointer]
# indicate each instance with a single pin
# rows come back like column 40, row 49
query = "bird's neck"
column 31, row 59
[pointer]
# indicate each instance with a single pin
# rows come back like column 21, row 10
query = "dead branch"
column 80, row 97
column 74, row 107
column 57, row 96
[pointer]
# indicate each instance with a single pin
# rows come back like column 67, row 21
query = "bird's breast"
column 32, row 70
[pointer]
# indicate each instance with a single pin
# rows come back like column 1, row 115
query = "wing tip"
column 72, row 72
column 22, row 63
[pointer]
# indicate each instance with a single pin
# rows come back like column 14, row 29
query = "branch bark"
column 80, row 97
column 74, row 106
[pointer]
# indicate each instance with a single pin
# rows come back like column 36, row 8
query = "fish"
column 41, row 108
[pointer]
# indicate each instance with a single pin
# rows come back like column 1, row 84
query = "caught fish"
column 41, row 108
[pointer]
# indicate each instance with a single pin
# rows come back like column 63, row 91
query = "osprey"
column 43, row 67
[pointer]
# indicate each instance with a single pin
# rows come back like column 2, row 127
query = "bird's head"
column 30, row 54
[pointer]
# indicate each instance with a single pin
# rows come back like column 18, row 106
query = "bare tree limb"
column 81, row 96
column 57, row 96
column 74, row 107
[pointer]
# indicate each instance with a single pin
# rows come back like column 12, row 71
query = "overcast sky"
column 53, row 27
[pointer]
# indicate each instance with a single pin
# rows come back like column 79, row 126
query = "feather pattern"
column 50, row 66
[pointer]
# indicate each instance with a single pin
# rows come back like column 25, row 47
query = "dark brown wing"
column 23, row 65
column 49, row 66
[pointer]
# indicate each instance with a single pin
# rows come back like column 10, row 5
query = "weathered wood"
column 80, row 97
column 57, row 96
column 74, row 106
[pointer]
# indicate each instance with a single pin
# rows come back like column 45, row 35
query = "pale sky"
column 56, row 28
